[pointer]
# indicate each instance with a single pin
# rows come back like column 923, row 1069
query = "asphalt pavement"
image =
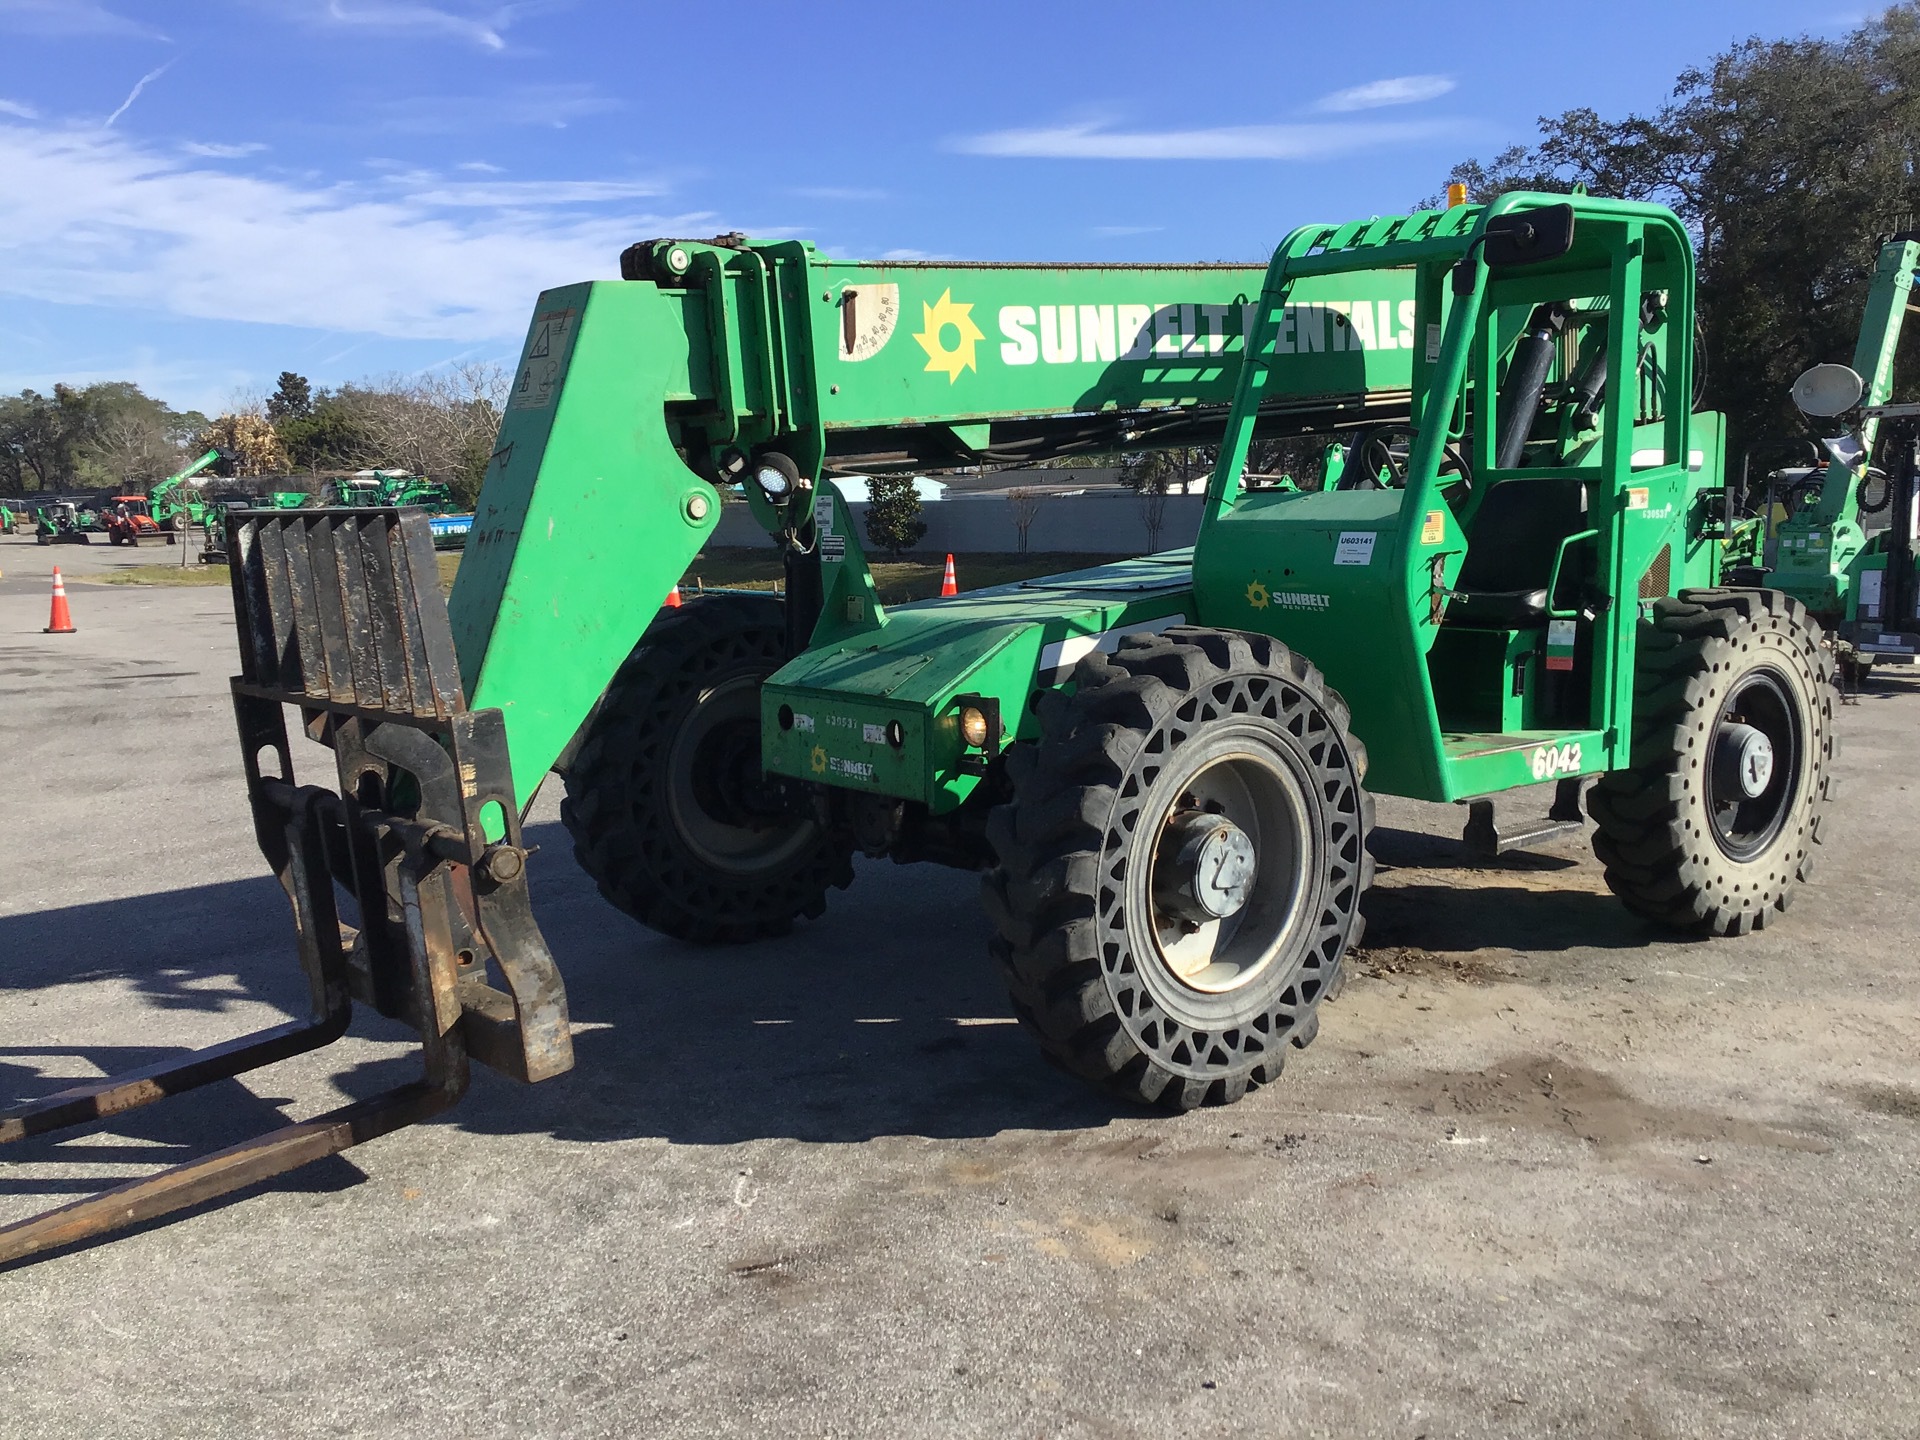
column 1545, row 1171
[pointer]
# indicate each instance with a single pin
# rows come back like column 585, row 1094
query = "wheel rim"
column 721, row 801
column 1240, row 806
column 1753, row 764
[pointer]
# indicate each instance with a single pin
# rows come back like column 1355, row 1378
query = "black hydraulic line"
column 806, row 594
column 1897, row 599
column 1526, row 382
column 1590, row 384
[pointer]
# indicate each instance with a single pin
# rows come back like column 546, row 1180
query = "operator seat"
column 1511, row 545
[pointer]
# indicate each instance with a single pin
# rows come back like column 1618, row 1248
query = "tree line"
column 1789, row 161
column 91, row 437
column 112, row 435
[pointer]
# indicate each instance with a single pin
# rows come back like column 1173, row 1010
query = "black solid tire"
column 620, row 797
column 1654, row 832
column 1058, row 895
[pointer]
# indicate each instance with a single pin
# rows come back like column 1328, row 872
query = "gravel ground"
column 1544, row 1172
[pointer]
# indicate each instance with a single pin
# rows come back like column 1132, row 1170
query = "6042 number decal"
column 1550, row 761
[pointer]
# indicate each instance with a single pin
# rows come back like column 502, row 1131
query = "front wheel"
column 1712, row 829
column 1181, row 866
column 670, row 810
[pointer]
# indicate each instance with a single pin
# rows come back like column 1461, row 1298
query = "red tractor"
column 129, row 518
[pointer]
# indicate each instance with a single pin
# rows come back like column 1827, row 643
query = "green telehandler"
column 1162, row 767
column 374, row 489
column 1844, row 545
column 175, row 504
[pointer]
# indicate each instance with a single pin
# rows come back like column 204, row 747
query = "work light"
column 777, row 476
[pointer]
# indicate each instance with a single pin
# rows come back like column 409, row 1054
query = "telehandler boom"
column 1163, row 766
column 1846, row 549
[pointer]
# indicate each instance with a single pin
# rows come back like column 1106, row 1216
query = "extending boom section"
column 637, row 403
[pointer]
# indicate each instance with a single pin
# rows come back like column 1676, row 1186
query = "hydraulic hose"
column 1526, row 382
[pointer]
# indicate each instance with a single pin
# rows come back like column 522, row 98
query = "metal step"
column 1486, row 840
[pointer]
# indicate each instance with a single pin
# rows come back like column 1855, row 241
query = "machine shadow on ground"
column 884, row 1018
column 1431, row 895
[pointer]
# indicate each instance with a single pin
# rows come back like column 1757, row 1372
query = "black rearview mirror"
column 1527, row 237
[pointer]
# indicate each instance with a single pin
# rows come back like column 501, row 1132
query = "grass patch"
column 162, row 575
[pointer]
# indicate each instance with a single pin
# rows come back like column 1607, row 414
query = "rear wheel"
column 1181, row 866
column 1713, row 827
column 669, row 808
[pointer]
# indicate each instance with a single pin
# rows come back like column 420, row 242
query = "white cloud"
column 134, row 94
column 213, row 151
column 481, row 167
column 188, row 384
column 409, row 19
column 910, row 255
column 97, row 218
column 1400, row 90
column 535, row 194
column 1093, row 141
column 64, row 18
column 550, row 105
column 15, row 108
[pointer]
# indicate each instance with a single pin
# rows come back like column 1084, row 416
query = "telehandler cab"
column 1163, row 766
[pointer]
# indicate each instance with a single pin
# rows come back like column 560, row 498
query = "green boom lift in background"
column 174, row 503
column 1831, row 550
column 378, row 488
column 1162, row 766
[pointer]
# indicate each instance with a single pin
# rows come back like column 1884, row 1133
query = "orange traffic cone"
column 60, row 622
column 673, row 598
column 948, row 585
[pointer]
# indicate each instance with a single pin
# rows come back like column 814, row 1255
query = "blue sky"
column 200, row 195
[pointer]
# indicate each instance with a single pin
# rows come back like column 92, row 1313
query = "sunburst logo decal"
column 818, row 760
column 1257, row 596
column 936, row 320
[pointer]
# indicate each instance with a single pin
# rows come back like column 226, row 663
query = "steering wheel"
column 1385, row 449
column 1370, row 453
column 1802, row 493
column 1885, row 492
